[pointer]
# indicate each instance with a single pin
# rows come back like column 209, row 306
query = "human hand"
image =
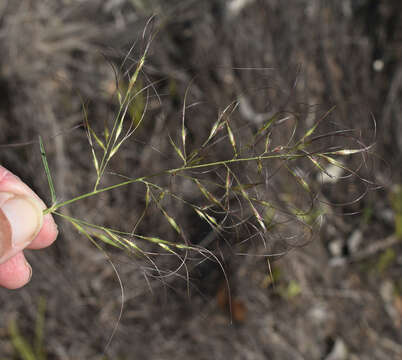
column 22, row 225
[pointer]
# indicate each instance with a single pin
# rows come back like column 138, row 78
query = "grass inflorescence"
column 234, row 193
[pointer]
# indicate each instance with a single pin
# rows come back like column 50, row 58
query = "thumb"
column 21, row 219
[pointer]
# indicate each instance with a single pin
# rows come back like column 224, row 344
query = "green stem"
column 171, row 171
column 92, row 193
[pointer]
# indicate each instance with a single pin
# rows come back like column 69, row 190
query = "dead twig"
column 375, row 248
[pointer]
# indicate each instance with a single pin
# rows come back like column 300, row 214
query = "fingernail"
column 25, row 218
column 30, row 270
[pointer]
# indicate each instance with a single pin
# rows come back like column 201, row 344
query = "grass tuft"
column 22, row 346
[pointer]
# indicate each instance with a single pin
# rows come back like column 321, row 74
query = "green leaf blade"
column 47, row 171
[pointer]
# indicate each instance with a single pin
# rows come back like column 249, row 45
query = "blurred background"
column 339, row 296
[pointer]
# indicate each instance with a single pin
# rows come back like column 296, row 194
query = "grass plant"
column 233, row 191
column 231, row 185
column 22, row 346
